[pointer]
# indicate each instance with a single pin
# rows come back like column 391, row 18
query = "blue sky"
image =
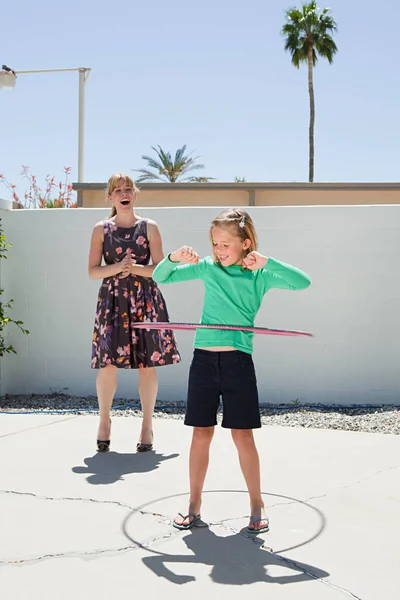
column 211, row 74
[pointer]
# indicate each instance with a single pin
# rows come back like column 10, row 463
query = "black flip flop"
column 189, row 525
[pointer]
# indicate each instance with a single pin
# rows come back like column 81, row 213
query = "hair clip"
column 242, row 221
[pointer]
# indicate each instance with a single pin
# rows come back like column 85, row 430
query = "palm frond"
column 294, row 15
column 165, row 157
column 168, row 169
column 326, row 47
column 194, row 167
column 153, row 163
column 180, row 154
column 198, row 179
column 307, row 29
column 147, row 176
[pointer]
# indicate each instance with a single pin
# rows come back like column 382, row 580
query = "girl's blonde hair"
column 240, row 224
column 114, row 182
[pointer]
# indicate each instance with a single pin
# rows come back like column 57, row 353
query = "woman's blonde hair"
column 240, row 224
column 114, row 182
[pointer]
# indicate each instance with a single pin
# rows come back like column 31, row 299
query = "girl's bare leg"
column 250, row 465
column 198, row 465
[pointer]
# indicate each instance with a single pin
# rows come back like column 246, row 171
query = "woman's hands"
column 127, row 265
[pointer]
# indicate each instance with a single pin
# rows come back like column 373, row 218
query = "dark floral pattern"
column 124, row 301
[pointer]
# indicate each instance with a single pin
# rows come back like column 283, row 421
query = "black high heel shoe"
column 103, row 445
column 144, row 447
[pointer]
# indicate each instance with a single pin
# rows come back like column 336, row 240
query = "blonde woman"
column 126, row 243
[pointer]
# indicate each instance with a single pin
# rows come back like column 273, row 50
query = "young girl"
column 128, row 294
column 236, row 279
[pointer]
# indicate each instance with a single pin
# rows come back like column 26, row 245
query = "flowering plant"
column 55, row 195
column 5, row 319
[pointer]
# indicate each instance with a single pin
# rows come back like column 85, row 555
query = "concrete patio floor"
column 76, row 524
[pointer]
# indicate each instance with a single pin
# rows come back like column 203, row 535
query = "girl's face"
column 228, row 249
column 123, row 197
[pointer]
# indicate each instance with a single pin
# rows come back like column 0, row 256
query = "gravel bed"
column 385, row 419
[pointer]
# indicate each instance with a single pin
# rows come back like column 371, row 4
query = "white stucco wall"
column 351, row 253
column 5, row 204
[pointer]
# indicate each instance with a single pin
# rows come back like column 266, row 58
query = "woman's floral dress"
column 124, row 301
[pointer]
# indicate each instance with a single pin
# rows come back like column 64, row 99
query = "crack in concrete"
column 292, row 564
column 89, row 553
column 336, row 489
column 64, row 420
column 94, row 500
column 394, row 467
column 74, row 553
column 310, row 498
column 344, row 487
column 154, row 540
column 70, row 554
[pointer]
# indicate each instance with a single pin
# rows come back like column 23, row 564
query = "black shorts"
column 229, row 375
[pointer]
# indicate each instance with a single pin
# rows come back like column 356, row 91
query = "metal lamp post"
column 83, row 77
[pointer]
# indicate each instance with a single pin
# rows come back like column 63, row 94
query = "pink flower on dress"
column 141, row 240
column 175, row 358
column 118, row 250
column 120, row 351
column 155, row 357
column 127, row 236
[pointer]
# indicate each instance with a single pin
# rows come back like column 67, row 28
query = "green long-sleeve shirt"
column 233, row 295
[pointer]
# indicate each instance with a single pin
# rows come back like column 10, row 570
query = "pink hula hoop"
column 192, row 326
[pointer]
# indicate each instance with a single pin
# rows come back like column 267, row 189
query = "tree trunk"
column 312, row 115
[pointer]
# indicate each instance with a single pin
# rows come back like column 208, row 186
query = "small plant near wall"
column 5, row 319
column 52, row 195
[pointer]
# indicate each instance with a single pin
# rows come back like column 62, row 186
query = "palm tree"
column 307, row 34
column 171, row 170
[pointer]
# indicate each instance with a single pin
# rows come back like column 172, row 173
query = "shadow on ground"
column 108, row 467
column 234, row 560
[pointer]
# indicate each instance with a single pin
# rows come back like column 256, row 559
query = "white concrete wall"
column 5, row 204
column 352, row 307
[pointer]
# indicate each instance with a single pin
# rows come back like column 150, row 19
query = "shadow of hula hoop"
column 321, row 517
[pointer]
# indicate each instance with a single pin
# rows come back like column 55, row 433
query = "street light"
column 7, row 79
